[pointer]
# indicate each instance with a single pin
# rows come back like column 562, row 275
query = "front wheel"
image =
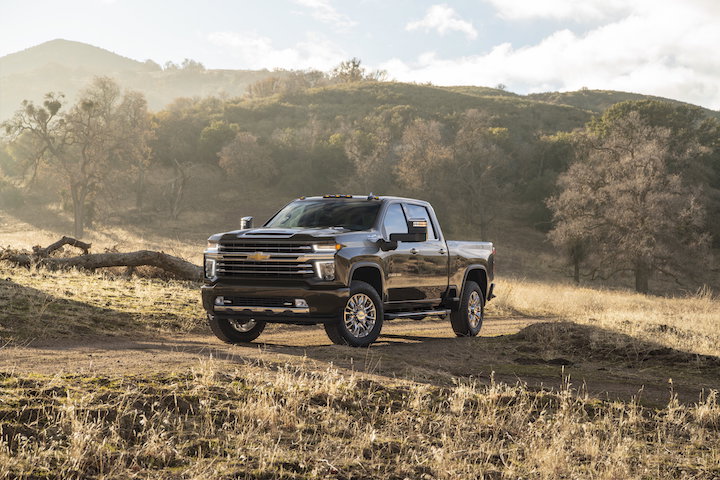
column 468, row 319
column 360, row 320
column 235, row 331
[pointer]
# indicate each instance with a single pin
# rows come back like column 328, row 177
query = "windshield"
column 348, row 214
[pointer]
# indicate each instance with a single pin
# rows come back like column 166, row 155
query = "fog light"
column 219, row 300
column 300, row 303
column 325, row 270
column 210, row 268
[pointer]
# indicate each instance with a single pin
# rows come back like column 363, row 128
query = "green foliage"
column 214, row 137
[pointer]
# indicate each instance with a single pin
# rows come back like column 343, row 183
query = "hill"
column 67, row 66
column 76, row 55
column 351, row 102
column 597, row 101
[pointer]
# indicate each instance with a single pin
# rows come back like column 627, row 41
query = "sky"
column 667, row 48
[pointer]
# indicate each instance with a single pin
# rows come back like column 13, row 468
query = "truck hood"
column 300, row 234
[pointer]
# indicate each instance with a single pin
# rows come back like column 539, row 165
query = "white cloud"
column 323, row 11
column 253, row 51
column 443, row 19
column 667, row 51
column 579, row 10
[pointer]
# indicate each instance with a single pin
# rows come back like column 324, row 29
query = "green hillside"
column 357, row 100
column 598, row 101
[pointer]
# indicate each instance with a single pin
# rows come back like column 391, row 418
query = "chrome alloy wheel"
column 243, row 327
column 360, row 315
column 475, row 310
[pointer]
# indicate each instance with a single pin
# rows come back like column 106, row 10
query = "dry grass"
column 690, row 323
column 298, row 422
column 182, row 238
column 295, row 423
column 40, row 303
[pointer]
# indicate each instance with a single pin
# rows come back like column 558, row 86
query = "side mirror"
column 386, row 246
column 246, row 222
column 417, row 232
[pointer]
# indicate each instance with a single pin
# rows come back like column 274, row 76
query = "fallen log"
column 44, row 252
column 92, row 261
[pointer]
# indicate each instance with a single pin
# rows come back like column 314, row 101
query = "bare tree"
column 621, row 201
column 460, row 170
column 79, row 145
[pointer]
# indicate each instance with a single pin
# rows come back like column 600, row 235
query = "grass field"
column 105, row 376
column 328, row 414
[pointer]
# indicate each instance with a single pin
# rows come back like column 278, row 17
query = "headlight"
column 327, row 248
column 210, row 268
column 212, row 245
column 325, row 270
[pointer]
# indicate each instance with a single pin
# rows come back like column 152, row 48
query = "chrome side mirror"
column 246, row 222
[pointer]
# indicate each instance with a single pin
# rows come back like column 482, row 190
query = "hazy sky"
column 660, row 47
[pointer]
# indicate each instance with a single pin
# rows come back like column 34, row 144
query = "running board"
column 423, row 313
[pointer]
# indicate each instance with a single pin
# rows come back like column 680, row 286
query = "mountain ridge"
column 68, row 66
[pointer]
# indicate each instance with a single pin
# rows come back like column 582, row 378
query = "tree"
column 691, row 129
column 621, row 202
column 475, row 169
column 249, row 161
column 351, row 71
column 176, row 145
column 135, row 130
column 369, row 146
column 213, row 138
column 78, row 145
column 456, row 170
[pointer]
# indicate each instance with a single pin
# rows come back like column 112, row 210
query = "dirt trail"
column 424, row 351
column 278, row 343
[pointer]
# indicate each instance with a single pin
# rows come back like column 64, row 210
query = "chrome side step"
column 423, row 313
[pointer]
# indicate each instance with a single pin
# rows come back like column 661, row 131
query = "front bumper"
column 322, row 305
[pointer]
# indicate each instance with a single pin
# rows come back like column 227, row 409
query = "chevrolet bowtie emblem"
column 258, row 256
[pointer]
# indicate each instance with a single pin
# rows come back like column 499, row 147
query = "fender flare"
column 472, row 268
column 377, row 267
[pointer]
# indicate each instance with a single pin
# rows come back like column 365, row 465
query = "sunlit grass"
column 689, row 323
column 295, row 423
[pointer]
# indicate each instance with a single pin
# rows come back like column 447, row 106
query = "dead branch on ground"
column 91, row 261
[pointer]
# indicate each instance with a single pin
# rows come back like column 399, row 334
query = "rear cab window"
column 419, row 211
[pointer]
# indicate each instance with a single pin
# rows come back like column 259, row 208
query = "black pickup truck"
column 348, row 262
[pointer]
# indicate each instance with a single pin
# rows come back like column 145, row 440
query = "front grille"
column 231, row 266
column 259, row 301
column 251, row 247
column 281, row 259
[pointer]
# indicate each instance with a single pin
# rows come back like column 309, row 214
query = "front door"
column 401, row 266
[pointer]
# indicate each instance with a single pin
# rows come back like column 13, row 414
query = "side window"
column 395, row 220
column 418, row 211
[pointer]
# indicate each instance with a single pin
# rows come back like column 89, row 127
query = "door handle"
column 414, row 251
column 442, row 251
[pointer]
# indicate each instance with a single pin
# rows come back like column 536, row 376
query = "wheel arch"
column 370, row 273
column 479, row 275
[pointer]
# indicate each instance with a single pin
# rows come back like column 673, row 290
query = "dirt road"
column 421, row 351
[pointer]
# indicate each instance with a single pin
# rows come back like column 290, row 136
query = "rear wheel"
column 235, row 331
column 360, row 320
column 468, row 319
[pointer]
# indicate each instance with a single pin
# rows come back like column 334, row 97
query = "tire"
column 232, row 331
column 468, row 319
column 363, row 300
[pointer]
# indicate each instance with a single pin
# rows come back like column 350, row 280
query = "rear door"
column 403, row 275
column 431, row 256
